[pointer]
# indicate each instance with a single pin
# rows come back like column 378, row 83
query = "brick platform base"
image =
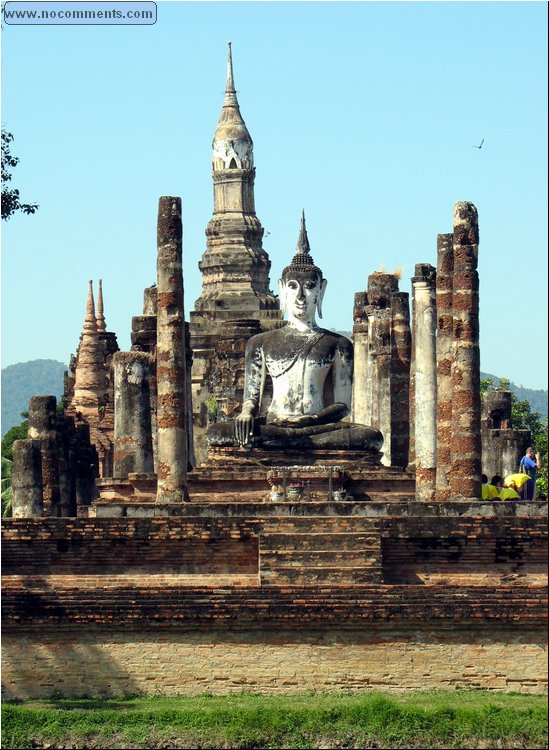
column 228, row 659
column 277, row 597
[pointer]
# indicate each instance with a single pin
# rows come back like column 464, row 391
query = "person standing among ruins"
column 529, row 464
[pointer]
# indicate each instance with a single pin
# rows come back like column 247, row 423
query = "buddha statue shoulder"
column 311, row 370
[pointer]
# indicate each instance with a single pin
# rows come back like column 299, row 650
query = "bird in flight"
column 482, row 141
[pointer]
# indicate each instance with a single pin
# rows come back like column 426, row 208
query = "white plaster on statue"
column 300, row 370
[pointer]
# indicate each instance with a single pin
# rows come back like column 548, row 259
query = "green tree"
column 6, row 487
column 11, row 202
column 19, row 432
column 523, row 418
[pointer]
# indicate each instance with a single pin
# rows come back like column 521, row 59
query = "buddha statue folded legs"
column 335, row 436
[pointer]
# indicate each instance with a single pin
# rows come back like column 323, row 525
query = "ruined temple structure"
column 236, row 300
column 301, row 554
column 502, row 446
column 382, row 341
column 88, row 391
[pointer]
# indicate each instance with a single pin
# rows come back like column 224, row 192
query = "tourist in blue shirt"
column 528, row 464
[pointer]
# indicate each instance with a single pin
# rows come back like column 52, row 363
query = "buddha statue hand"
column 328, row 415
column 244, row 424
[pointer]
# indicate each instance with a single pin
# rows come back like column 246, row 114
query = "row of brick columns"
column 382, row 350
column 54, row 469
column 446, row 366
column 421, row 386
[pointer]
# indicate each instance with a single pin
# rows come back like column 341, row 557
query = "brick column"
column 412, row 412
column 143, row 338
column 379, row 371
column 191, row 458
column 65, row 462
column 401, row 344
column 170, row 357
column 132, row 418
column 380, row 288
column 361, row 415
column 86, row 466
column 423, row 285
column 27, row 479
column 465, row 478
column 444, row 352
column 42, row 427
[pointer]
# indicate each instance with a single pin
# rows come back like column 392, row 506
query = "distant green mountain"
column 44, row 377
column 39, row 377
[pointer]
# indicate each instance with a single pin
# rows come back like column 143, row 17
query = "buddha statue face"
column 301, row 294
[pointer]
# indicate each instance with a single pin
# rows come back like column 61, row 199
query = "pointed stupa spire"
column 230, row 91
column 303, row 247
column 90, row 373
column 90, row 323
column 303, row 260
column 100, row 317
column 232, row 143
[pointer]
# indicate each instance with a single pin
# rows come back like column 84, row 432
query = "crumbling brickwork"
column 89, row 390
column 502, row 446
column 382, row 353
column 448, row 602
column 235, row 272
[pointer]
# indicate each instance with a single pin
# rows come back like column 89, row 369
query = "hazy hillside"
column 40, row 377
column 44, row 377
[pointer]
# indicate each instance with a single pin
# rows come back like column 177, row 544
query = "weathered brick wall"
column 300, row 551
column 464, row 551
column 221, row 603
column 38, row 603
column 80, row 547
column 230, row 658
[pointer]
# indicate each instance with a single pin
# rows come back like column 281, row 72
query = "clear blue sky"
column 365, row 114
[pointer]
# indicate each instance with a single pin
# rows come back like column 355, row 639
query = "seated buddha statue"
column 311, row 370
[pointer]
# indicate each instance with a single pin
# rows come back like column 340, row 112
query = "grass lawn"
column 457, row 719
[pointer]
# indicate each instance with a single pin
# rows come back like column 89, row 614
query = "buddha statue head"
column 302, row 284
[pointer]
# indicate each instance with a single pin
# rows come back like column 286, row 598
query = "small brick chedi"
column 247, row 503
